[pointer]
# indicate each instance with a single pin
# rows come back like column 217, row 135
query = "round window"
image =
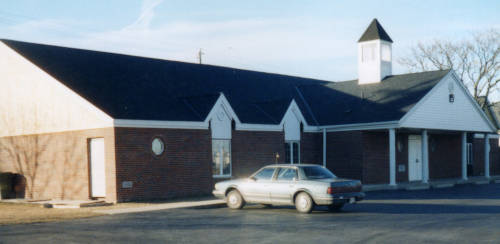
column 158, row 147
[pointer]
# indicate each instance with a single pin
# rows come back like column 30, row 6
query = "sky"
column 315, row 39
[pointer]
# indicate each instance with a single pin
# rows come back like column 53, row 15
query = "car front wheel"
column 304, row 203
column 234, row 200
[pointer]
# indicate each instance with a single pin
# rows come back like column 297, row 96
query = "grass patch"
column 23, row 213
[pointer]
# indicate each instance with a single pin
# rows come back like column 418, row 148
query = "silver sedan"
column 304, row 186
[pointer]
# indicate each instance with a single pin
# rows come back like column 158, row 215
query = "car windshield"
column 317, row 172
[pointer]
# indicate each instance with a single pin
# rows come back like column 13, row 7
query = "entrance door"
column 97, row 168
column 414, row 158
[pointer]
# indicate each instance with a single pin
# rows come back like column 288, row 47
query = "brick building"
column 79, row 124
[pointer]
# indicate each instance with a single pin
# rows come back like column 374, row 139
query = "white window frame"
column 221, row 160
column 368, row 52
column 292, row 161
column 386, row 52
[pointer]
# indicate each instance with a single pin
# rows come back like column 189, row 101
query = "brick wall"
column 494, row 157
column 56, row 165
column 375, row 157
column 478, row 154
column 445, row 156
column 344, row 155
column 184, row 169
column 478, row 163
column 311, row 148
column 252, row 150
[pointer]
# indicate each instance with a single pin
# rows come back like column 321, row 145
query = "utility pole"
column 200, row 53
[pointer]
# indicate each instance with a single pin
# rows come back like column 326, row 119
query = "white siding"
column 33, row 102
column 435, row 111
column 291, row 122
column 220, row 123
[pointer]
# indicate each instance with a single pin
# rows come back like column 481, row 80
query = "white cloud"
column 147, row 14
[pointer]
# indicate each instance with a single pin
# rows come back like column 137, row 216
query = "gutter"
column 362, row 126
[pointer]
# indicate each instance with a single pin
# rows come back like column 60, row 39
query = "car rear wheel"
column 335, row 207
column 234, row 200
column 304, row 203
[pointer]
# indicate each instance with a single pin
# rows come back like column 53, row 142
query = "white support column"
column 324, row 147
column 425, row 157
column 464, row 155
column 487, row 155
column 392, row 157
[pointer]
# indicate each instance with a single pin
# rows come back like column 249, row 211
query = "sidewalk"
column 163, row 206
column 444, row 183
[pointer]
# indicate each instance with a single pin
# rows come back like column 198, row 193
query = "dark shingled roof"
column 492, row 110
column 348, row 102
column 375, row 31
column 131, row 87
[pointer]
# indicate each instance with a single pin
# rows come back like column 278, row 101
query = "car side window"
column 287, row 174
column 265, row 174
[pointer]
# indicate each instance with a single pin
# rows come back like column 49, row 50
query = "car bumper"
column 219, row 194
column 339, row 198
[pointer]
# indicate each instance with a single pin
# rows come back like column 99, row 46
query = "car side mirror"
column 295, row 179
column 252, row 178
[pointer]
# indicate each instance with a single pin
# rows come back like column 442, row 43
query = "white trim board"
column 481, row 136
column 361, row 126
column 160, row 124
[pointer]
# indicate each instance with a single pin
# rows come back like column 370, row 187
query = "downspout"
column 324, row 147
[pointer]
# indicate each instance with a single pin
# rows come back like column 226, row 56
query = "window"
column 368, row 52
column 157, row 146
column 221, row 157
column 317, row 172
column 264, row 174
column 292, row 152
column 287, row 174
column 386, row 53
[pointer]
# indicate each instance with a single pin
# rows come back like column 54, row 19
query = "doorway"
column 414, row 158
column 97, row 168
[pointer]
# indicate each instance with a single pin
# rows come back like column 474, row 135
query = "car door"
column 282, row 189
column 257, row 189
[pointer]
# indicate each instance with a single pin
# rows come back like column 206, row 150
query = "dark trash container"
column 12, row 185
column 6, row 185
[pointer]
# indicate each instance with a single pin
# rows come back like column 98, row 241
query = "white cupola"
column 374, row 54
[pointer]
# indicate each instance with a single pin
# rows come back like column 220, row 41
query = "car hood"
column 226, row 183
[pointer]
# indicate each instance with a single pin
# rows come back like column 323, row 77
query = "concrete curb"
column 417, row 187
column 165, row 206
column 482, row 182
column 379, row 187
column 443, row 185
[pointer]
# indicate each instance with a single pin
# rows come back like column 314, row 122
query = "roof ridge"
column 164, row 60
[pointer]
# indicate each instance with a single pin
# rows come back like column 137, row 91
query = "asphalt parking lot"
column 464, row 214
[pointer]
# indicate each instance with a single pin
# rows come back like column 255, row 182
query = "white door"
column 414, row 158
column 97, row 168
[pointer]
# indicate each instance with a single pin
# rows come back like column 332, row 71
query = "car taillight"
column 329, row 190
